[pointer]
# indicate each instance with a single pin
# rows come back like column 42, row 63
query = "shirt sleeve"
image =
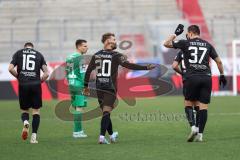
column 179, row 58
column 14, row 59
column 122, row 59
column 213, row 54
column 90, row 68
column 43, row 62
column 181, row 44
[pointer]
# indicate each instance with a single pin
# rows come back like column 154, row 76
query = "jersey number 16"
column 28, row 62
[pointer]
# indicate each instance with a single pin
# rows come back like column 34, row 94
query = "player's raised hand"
column 179, row 30
column 150, row 66
column 86, row 91
column 222, row 81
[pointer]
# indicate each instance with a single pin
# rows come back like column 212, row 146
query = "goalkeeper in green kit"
column 75, row 73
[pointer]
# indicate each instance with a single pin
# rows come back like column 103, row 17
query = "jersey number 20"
column 103, row 67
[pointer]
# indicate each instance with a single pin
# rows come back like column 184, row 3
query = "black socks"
column 196, row 108
column 109, row 129
column 25, row 116
column 190, row 115
column 35, row 123
column 105, row 123
column 202, row 119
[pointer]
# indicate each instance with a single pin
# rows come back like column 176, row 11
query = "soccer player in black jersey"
column 193, row 120
column 29, row 63
column 106, row 63
column 197, row 53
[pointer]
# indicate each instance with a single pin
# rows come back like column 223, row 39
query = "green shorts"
column 77, row 98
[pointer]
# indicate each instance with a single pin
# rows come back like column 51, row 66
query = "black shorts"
column 106, row 98
column 30, row 96
column 199, row 88
column 184, row 88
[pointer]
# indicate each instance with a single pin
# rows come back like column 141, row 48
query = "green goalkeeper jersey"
column 75, row 69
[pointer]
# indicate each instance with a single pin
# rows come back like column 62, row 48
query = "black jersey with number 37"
column 196, row 55
column 29, row 62
column 106, row 64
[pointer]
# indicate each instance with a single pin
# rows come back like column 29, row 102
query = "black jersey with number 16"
column 29, row 62
column 196, row 55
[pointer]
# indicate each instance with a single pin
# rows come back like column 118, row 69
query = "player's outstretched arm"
column 134, row 66
column 45, row 73
column 12, row 70
column 222, row 79
column 122, row 59
column 168, row 42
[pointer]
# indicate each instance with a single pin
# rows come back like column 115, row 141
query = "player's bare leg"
column 26, row 125
column 202, row 121
column 35, row 125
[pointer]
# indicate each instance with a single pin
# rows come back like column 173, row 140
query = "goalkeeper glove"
column 222, row 80
column 179, row 30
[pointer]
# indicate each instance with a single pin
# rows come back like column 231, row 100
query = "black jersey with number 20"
column 29, row 62
column 196, row 55
column 106, row 64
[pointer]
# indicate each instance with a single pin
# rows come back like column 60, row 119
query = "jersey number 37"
column 195, row 52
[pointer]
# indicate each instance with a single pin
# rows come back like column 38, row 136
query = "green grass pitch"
column 139, row 138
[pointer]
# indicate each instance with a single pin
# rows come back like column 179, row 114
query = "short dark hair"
column 79, row 42
column 194, row 29
column 107, row 36
column 30, row 44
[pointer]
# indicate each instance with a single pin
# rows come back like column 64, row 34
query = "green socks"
column 77, row 121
